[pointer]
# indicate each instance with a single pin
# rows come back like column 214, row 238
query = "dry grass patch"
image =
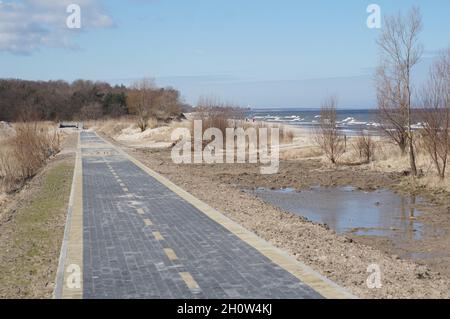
column 30, row 239
column 110, row 127
column 301, row 153
column 23, row 154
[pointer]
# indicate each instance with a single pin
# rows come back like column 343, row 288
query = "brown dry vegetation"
column 32, row 223
column 385, row 156
column 148, row 102
column 365, row 146
column 24, row 153
column 328, row 137
column 435, row 114
column 223, row 118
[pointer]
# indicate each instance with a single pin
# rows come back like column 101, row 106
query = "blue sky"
column 287, row 53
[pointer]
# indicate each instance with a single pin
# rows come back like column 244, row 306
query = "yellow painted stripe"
column 171, row 254
column 189, row 280
column 125, row 189
column 140, row 211
column 148, row 222
column 158, row 236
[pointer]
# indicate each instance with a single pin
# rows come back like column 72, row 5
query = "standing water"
column 346, row 209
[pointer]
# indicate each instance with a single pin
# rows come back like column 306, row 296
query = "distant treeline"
column 81, row 100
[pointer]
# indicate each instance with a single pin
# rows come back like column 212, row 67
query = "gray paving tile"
column 122, row 259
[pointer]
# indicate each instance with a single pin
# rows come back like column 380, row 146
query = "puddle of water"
column 346, row 209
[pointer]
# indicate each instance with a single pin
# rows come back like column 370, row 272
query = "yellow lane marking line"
column 125, row 189
column 171, row 254
column 189, row 280
column 140, row 211
column 122, row 184
column 148, row 222
column 158, row 236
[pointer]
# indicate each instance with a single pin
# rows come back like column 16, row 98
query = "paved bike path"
column 140, row 239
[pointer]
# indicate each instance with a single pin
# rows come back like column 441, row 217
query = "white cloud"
column 28, row 25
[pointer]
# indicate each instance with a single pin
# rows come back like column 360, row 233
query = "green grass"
column 29, row 257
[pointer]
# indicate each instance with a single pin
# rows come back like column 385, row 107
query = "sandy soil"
column 344, row 259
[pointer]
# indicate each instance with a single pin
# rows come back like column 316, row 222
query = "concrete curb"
column 58, row 292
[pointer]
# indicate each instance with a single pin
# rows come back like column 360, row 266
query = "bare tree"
column 214, row 113
column 140, row 101
column 435, row 113
column 400, row 53
column 328, row 136
column 167, row 103
column 392, row 114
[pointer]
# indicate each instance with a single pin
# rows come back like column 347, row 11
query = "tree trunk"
column 412, row 157
column 402, row 146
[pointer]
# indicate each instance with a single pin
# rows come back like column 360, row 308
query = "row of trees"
column 400, row 52
column 58, row 100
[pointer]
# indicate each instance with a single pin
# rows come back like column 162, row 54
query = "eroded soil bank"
column 342, row 258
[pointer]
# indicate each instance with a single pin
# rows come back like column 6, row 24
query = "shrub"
column 328, row 137
column 26, row 152
column 365, row 146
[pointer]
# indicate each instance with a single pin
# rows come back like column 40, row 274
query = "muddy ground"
column 344, row 259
